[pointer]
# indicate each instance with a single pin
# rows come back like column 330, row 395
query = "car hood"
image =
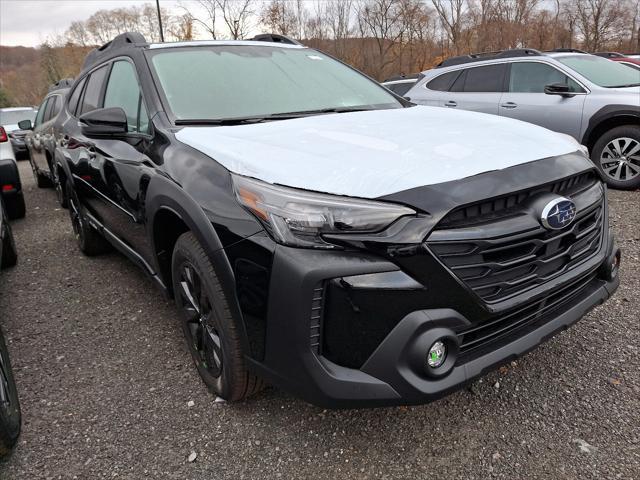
column 375, row 153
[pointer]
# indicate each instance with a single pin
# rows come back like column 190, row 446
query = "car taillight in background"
column 3, row 135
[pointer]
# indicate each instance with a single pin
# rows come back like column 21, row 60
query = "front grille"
column 507, row 205
column 480, row 338
column 504, row 266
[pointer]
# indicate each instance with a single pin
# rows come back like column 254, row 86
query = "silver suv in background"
column 594, row 100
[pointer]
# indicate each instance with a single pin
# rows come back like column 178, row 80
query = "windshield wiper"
column 219, row 121
column 306, row 113
column 265, row 118
column 625, row 86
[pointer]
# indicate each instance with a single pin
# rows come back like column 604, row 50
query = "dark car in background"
column 41, row 139
column 10, row 418
column 9, row 119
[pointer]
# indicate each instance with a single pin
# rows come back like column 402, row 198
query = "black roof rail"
column 275, row 38
column 608, row 54
column 478, row 57
column 567, row 50
column 62, row 83
column 120, row 41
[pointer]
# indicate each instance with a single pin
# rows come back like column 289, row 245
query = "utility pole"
column 160, row 21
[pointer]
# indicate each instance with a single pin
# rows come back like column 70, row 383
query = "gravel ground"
column 108, row 389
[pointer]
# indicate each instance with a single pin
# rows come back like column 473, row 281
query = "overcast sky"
column 30, row 22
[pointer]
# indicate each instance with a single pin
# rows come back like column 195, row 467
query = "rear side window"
column 532, row 77
column 400, row 88
column 75, row 96
column 41, row 111
column 51, row 108
column 91, row 98
column 485, row 79
column 123, row 91
column 443, row 83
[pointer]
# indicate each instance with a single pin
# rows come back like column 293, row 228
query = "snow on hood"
column 375, row 153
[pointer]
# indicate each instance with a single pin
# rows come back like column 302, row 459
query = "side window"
column 531, row 77
column 458, row 85
column 91, row 98
column 75, row 96
column 485, row 79
column 51, row 108
column 41, row 111
column 123, row 91
column 443, row 82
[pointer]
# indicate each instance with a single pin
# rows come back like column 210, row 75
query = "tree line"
column 380, row 37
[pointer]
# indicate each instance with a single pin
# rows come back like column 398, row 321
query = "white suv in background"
column 594, row 100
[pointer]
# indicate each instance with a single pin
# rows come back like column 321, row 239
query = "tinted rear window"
column 489, row 78
column 75, row 96
column 443, row 82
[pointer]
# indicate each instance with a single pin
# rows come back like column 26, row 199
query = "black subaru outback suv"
column 322, row 234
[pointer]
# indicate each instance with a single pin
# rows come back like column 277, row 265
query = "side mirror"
column 25, row 125
column 558, row 89
column 104, row 122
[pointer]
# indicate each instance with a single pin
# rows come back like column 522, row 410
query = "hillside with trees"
column 380, row 37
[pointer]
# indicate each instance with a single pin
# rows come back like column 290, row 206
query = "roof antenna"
column 160, row 21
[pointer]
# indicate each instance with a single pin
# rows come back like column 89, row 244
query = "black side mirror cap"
column 558, row 89
column 104, row 122
column 25, row 125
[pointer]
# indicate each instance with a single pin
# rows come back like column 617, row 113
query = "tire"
column 617, row 156
column 10, row 417
column 90, row 242
column 209, row 329
column 9, row 253
column 14, row 206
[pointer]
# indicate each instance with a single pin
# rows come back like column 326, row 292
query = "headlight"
column 299, row 218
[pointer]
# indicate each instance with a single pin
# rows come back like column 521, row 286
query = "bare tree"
column 237, row 16
column 452, row 15
column 208, row 23
column 599, row 21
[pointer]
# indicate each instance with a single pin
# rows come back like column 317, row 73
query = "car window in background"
column 443, row 82
column 123, row 91
column 41, row 112
column 601, row 71
column 485, row 79
column 12, row 117
column 631, row 65
column 91, row 98
column 75, row 96
column 222, row 82
column 532, row 77
column 400, row 88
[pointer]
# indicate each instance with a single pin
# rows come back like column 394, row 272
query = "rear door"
column 525, row 98
column 478, row 89
column 34, row 139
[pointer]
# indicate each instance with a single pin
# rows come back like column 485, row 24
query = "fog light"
column 437, row 354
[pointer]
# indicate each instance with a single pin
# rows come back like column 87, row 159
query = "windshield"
column 244, row 81
column 12, row 117
column 601, row 71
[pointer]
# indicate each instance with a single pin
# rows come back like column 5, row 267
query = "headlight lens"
column 299, row 218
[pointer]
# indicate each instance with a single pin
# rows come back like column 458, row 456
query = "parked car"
column 41, row 140
column 401, row 84
column 10, row 185
column 9, row 118
column 628, row 60
column 347, row 246
column 10, row 418
column 585, row 96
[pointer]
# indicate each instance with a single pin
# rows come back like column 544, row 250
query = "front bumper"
column 395, row 373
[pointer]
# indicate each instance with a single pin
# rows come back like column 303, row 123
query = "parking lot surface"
column 108, row 388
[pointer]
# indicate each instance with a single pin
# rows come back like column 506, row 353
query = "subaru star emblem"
column 558, row 213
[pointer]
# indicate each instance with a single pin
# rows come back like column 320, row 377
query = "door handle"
column 509, row 105
column 451, row 103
